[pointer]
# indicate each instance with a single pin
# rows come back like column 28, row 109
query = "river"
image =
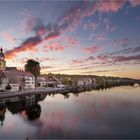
column 110, row 113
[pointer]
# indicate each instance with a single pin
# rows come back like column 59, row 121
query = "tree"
column 8, row 87
column 33, row 67
column 67, row 82
column 50, row 75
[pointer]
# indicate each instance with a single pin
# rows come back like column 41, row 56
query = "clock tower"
column 2, row 60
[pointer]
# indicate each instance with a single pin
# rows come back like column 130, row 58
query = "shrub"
column 8, row 87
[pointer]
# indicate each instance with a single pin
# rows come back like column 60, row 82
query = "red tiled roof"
column 2, row 74
column 12, row 78
column 21, row 73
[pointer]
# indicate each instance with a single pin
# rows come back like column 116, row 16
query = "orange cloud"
column 52, row 35
column 28, row 45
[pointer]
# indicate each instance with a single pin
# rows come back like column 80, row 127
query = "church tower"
column 2, row 60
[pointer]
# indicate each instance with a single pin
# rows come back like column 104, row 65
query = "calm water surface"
column 111, row 113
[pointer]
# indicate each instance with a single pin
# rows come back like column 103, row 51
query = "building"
column 41, row 81
column 80, row 82
column 3, row 80
column 25, row 79
column 52, row 82
column 2, row 60
column 10, row 68
column 12, row 81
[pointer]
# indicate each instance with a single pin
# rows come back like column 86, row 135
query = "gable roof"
column 12, row 78
column 21, row 73
column 2, row 74
column 10, row 68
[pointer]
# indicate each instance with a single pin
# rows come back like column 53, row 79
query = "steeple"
column 1, row 53
column 2, row 60
column 1, row 50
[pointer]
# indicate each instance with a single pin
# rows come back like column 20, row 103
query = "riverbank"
column 12, row 96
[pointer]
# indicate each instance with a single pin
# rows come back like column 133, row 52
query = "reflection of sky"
column 111, row 113
column 115, row 28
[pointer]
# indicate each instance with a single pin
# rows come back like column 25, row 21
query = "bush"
column 8, row 87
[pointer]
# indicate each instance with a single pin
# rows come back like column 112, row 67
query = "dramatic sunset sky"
column 73, row 37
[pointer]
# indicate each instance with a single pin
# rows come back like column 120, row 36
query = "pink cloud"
column 135, row 2
column 126, row 58
column 27, row 22
column 76, row 61
column 52, row 35
column 72, row 40
column 100, row 37
column 88, row 8
column 118, row 59
column 121, row 42
column 90, row 58
column 110, row 6
column 30, row 44
column 92, row 50
column 93, row 26
column 8, row 37
column 102, row 58
column 54, row 46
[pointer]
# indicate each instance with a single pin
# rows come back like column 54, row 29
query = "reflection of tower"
column 2, row 60
column 2, row 113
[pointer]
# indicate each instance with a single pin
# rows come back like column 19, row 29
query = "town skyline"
column 78, row 37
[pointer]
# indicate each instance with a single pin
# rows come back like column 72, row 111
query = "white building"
column 41, row 81
column 80, row 82
column 26, row 80
column 12, row 81
column 86, row 81
column 3, row 80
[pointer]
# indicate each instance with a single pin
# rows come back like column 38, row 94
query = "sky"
column 73, row 37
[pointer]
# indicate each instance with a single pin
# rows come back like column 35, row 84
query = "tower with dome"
column 2, row 60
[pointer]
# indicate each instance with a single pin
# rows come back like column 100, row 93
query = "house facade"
column 41, row 81
column 22, row 80
column 12, row 81
column 17, row 79
column 3, row 80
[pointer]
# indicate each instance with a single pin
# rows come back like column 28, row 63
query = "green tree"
column 33, row 67
column 50, row 75
column 67, row 82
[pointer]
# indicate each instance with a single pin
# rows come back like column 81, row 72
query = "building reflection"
column 29, row 106
column 33, row 112
column 2, row 113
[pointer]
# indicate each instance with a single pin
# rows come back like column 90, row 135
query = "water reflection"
column 2, row 113
column 33, row 112
column 107, row 114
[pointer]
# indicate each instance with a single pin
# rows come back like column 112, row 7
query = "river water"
column 110, row 113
